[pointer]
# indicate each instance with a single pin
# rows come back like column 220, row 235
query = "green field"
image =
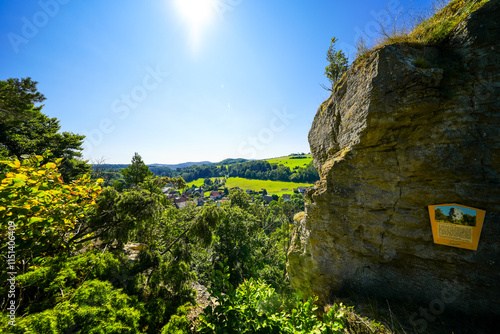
column 292, row 163
column 199, row 182
column 196, row 183
column 272, row 187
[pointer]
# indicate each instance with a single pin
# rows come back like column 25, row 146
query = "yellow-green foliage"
column 299, row 216
column 43, row 209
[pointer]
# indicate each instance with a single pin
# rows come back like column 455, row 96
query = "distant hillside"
column 231, row 161
column 293, row 161
column 182, row 165
column 292, row 168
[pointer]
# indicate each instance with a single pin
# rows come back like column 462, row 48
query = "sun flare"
column 197, row 13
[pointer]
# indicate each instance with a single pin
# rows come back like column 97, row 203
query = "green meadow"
column 291, row 163
column 273, row 187
column 199, row 182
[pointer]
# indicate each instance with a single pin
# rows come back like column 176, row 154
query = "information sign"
column 456, row 225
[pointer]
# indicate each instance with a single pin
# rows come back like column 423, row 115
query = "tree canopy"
column 17, row 100
column 25, row 130
column 137, row 172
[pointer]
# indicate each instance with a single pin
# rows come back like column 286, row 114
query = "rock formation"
column 456, row 214
column 408, row 127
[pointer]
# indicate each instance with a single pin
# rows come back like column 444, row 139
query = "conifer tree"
column 137, row 172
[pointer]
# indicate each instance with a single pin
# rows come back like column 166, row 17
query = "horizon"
column 194, row 162
column 232, row 78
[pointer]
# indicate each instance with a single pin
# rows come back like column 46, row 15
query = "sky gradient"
column 234, row 79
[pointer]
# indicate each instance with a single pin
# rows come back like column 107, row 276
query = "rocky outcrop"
column 455, row 214
column 408, row 127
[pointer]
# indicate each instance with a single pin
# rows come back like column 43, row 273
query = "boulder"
column 409, row 126
column 455, row 214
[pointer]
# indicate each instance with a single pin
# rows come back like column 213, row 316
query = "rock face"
column 392, row 139
column 455, row 214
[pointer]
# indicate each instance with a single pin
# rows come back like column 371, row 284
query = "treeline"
column 258, row 170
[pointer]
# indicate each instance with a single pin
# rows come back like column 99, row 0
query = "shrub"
column 95, row 307
column 254, row 307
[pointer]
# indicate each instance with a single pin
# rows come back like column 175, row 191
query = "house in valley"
column 181, row 202
column 302, row 190
column 268, row 198
column 215, row 195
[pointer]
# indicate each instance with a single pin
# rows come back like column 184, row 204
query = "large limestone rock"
column 455, row 214
column 407, row 128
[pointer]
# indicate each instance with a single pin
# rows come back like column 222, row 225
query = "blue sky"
column 235, row 78
column 446, row 209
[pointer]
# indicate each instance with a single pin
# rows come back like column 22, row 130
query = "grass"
column 273, row 187
column 430, row 31
column 199, row 182
column 439, row 26
column 292, row 163
column 286, row 161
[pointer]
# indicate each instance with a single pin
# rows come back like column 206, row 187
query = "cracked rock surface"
column 392, row 139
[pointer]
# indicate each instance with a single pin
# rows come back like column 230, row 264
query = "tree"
column 25, row 130
column 440, row 215
column 137, row 172
column 238, row 242
column 469, row 220
column 17, row 100
column 338, row 64
column 239, row 198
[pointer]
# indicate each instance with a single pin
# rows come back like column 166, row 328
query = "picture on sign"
column 456, row 225
column 455, row 215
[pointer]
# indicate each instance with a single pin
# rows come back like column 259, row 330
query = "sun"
column 197, row 13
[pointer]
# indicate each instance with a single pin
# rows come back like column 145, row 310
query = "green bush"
column 178, row 323
column 255, row 307
column 95, row 307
